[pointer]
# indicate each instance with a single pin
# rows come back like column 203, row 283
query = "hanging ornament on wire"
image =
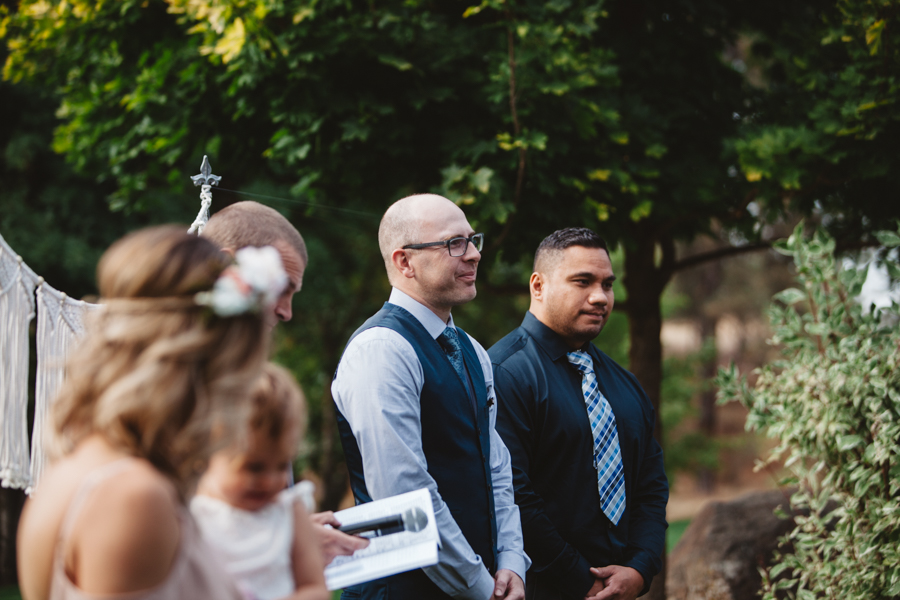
column 205, row 180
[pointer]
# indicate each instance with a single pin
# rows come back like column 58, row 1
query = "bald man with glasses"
column 416, row 410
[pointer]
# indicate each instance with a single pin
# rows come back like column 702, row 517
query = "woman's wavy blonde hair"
column 156, row 375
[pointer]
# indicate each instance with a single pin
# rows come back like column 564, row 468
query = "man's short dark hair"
column 561, row 239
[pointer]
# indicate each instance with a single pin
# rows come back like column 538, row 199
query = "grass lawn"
column 674, row 532
column 10, row 592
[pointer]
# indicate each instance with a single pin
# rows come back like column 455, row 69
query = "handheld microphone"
column 413, row 520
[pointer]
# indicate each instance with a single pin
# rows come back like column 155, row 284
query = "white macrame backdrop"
column 60, row 324
column 17, row 309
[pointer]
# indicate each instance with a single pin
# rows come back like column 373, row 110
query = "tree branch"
column 699, row 259
column 517, row 130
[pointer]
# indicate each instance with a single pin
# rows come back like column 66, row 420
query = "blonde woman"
column 161, row 381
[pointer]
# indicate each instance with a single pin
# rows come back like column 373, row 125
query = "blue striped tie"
column 607, row 454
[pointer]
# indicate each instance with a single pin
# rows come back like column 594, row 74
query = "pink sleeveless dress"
column 195, row 574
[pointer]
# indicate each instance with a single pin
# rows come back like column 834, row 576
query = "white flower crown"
column 252, row 284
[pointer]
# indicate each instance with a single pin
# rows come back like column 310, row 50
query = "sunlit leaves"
column 826, row 134
column 456, row 178
column 528, row 139
column 641, row 211
column 873, row 36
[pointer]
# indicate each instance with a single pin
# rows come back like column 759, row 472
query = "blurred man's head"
column 429, row 274
column 252, row 224
column 572, row 284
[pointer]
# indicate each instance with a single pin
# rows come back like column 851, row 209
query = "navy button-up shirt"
column 543, row 420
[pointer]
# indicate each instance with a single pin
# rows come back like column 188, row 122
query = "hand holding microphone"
column 412, row 520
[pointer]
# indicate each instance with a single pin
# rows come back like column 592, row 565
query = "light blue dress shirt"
column 377, row 389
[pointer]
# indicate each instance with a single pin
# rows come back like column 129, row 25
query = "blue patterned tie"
column 607, row 454
column 449, row 341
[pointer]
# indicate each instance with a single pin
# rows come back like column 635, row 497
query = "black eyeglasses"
column 455, row 246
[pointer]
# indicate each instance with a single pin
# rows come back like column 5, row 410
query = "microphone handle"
column 395, row 522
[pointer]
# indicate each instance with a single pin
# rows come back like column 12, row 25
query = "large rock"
column 720, row 553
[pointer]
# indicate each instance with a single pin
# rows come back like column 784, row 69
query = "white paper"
column 388, row 554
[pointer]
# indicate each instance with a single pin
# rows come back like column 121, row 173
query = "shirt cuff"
column 482, row 589
column 644, row 569
column 579, row 579
column 513, row 561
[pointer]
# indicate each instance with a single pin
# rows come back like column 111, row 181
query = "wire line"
column 293, row 201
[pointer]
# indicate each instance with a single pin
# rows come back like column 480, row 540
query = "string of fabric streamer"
column 24, row 295
column 60, row 322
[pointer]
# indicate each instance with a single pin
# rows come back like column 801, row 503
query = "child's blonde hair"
column 156, row 375
column 278, row 405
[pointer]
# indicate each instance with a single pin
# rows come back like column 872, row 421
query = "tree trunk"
column 644, row 282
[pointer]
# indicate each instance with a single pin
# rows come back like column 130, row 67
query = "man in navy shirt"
column 588, row 474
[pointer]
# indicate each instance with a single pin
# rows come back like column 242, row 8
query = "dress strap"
column 91, row 481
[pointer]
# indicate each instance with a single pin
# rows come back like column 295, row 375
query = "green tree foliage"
column 826, row 128
column 833, row 405
column 612, row 114
column 534, row 115
column 56, row 219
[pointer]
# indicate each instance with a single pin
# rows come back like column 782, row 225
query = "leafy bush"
column 833, row 403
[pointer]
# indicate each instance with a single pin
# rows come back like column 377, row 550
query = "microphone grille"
column 415, row 519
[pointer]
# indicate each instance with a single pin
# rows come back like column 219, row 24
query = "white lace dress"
column 255, row 545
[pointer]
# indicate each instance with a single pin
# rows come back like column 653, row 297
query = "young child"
column 261, row 529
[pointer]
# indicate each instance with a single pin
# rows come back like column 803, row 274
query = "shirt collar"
column 550, row 341
column 430, row 321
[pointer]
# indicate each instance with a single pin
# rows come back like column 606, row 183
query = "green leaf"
column 893, row 270
column 848, row 442
column 873, row 36
column 599, row 174
column 398, row 63
column 888, row 238
column 804, row 594
column 656, row 151
column 894, row 590
column 481, row 179
column 474, row 10
column 790, row 296
column 641, row 211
